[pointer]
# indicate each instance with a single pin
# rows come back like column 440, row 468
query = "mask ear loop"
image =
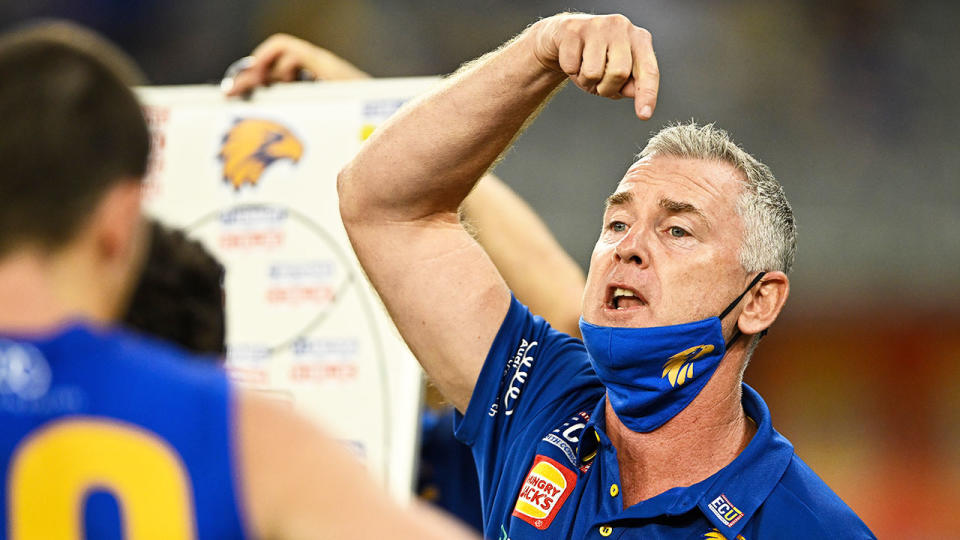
column 736, row 331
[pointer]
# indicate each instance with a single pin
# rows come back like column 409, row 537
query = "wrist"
column 535, row 42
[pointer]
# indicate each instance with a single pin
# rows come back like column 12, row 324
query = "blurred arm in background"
column 535, row 266
column 282, row 57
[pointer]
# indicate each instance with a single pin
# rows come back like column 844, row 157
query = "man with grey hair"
column 645, row 428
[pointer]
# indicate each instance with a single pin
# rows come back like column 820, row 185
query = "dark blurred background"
column 853, row 104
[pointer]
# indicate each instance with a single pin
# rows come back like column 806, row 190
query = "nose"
column 632, row 248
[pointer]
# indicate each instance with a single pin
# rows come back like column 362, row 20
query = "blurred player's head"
column 180, row 294
column 73, row 151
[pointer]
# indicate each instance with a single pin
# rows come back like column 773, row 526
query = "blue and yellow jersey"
column 107, row 435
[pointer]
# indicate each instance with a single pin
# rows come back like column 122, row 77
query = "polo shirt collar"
column 729, row 497
column 589, row 447
column 740, row 488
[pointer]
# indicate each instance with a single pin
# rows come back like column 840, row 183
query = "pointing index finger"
column 646, row 74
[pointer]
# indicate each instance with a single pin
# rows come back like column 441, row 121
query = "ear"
column 764, row 303
column 117, row 223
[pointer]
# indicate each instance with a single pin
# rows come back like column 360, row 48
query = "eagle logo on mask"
column 251, row 146
column 679, row 368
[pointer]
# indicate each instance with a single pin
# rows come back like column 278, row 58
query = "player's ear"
column 117, row 221
column 763, row 303
column 119, row 238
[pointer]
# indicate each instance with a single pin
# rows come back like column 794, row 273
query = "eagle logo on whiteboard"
column 547, row 486
column 251, row 146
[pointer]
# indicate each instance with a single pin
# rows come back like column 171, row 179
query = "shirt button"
column 606, row 530
column 614, row 490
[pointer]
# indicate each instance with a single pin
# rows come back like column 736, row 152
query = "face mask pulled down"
column 651, row 374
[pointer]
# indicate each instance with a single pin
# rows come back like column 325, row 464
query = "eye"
column 677, row 232
column 618, row 226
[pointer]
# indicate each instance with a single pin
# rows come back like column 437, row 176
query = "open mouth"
column 620, row 298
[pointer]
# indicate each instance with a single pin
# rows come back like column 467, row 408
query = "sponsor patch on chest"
column 566, row 437
column 547, row 486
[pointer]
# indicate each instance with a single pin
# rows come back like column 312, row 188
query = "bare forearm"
column 425, row 160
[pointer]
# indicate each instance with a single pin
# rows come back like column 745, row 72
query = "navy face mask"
column 651, row 374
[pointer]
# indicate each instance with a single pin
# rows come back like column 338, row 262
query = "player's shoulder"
column 129, row 352
column 802, row 502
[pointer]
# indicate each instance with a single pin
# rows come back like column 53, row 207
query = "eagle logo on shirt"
column 251, row 146
column 679, row 368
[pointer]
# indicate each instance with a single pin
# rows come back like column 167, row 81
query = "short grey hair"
column 769, row 229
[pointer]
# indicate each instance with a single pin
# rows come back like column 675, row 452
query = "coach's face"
column 669, row 249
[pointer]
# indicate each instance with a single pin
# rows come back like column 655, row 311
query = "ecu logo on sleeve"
column 547, row 486
column 250, row 147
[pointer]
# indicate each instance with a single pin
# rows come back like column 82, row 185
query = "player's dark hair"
column 70, row 128
column 180, row 294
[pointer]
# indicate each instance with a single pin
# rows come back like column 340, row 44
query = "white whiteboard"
column 255, row 181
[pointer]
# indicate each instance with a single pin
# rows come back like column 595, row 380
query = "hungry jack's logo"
column 250, row 147
column 547, row 486
column 679, row 368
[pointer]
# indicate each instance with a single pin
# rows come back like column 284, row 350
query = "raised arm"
column 281, row 58
column 399, row 196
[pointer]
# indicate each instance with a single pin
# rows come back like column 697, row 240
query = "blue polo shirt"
column 547, row 469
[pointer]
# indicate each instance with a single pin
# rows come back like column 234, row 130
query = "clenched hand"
column 604, row 55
